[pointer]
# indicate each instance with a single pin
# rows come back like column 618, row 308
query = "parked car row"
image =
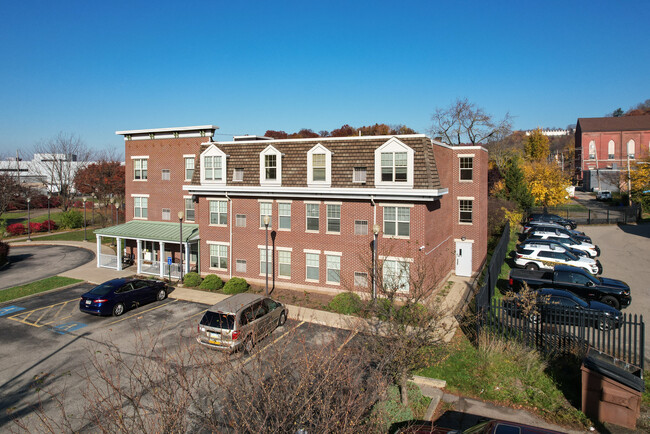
column 238, row 322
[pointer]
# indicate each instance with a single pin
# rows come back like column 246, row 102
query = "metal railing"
column 108, row 261
column 150, row 267
column 174, row 272
column 613, row 215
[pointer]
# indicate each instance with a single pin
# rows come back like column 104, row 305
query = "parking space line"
column 143, row 311
column 46, row 310
column 272, row 343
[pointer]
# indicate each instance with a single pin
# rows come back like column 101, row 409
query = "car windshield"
column 571, row 256
column 105, row 288
column 218, row 320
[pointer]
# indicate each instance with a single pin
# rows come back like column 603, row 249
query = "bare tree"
column 464, row 122
column 58, row 159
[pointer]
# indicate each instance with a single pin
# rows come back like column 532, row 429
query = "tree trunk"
column 403, row 389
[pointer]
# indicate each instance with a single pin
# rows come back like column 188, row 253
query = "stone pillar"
column 163, row 260
column 118, row 249
column 99, row 250
column 139, row 256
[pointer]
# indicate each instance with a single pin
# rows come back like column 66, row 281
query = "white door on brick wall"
column 463, row 258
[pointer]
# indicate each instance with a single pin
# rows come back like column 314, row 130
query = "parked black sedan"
column 118, row 295
column 553, row 218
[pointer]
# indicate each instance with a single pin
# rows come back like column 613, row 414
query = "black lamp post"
column 267, row 220
column 111, row 208
column 29, row 220
column 375, row 230
column 180, row 220
column 49, row 222
column 84, row 199
column 117, row 212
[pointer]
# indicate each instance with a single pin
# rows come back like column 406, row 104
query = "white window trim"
column 466, row 155
column 465, row 198
column 270, row 150
column 283, row 249
column 314, row 252
column 140, row 157
column 218, row 243
column 317, row 252
column 185, row 168
column 221, row 243
column 210, row 213
column 395, row 258
column 268, row 263
column 319, row 149
column 329, row 282
column 312, row 231
column 213, row 151
column 401, row 205
column 383, row 225
column 259, row 214
column 458, row 240
column 141, row 196
column 185, row 197
column 286, row 202
column 327, row 219
column 332, row 253
column 394, row 145
column 460, row 169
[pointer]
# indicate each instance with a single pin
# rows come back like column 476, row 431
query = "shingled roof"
column 347, row 153
column 623, row 123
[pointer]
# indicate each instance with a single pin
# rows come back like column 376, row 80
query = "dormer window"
column 270, row 166
column 213, row 166
column 319, row 166
column 394, row 164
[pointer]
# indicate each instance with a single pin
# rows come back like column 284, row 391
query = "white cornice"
column 324, row 139
column 167, row 130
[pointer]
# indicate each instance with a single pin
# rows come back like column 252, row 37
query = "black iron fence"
column 610, row 215
column 491, row 274
column 559, row 330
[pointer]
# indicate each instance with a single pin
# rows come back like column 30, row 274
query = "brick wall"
column 620, row 138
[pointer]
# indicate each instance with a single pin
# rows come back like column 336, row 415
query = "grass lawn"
column 77, row 235
column 36, row 287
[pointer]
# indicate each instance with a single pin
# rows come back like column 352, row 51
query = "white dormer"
column 394, row 165
column 270, row 166
column 213, row 166
column 319, row 166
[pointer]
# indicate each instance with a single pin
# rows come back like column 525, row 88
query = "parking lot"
column 47, row 342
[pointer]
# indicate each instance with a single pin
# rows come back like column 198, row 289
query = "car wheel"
column 162, row 294
column 600, row 267
column 604, row 324
column 568, row 227
column 118, row 309
column 532, row 266
column 283, row 319
column 612, row 301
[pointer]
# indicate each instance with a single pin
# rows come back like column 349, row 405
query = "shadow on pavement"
column 18, row 258
column 641, row 230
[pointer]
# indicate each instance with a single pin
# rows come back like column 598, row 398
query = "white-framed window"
column 611, row 149
column 240, row 265
column 265, row 260
column 284, row 215
column 397, row 221
column 333, row 268
column 140, row 207
column 218, row 256
column 394, row 164
column 166, row 214
column 213, row 166
column 284, row 263
column 270, row 166
column 361, row 227
column 140, row 169
column 631, row 148
column 334, row 218
column 266, row 209
column 592, row 150
column 465, row 210
column 313, row 213
column 360, row 279
column 359, row 174
column 319, row 166
column 240, row 220
column 466, row 168
column 238, row 175
column 189, row 168
column 189, row 209
column 166, row 174
column 396, row 275
column 312, row 261
column 218, row 212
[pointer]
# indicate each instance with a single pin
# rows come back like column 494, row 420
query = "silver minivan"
column 240, row 321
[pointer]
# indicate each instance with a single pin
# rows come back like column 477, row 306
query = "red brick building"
column 324, row 198
column 603, row 146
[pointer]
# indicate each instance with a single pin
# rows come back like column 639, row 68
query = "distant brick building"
column 603, row 145
column 323, row 197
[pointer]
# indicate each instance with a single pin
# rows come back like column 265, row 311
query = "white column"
column 99, row 250
column 118, row 241
column 139, row 256
column 187, row 258
column 163, row 260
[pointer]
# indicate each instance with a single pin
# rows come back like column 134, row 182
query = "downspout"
column 230, row 239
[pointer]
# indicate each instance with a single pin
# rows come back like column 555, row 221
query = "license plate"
column 213, row 342
column 87, row 301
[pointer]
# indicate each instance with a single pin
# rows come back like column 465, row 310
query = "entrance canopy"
column 152, row 231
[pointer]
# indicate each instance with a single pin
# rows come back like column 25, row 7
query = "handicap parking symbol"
column 68, row 327
column 10, row 309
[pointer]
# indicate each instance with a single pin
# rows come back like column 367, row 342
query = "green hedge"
column 346, row 303
column 72, row 219
column 236, row 285
column 192, row 279
column 212, row 282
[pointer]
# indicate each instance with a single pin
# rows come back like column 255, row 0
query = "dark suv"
column 553, row 218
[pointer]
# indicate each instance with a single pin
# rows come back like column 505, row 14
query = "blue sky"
column 92, row 68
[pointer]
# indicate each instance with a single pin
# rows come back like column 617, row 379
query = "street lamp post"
column 375, row 245
column 267, row 220
column 29, row 220
column 49, row 222
column 117, row 212
column 84, row 199
column 180, row 243
column 111, row 208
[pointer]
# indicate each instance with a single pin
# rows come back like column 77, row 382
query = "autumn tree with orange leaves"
column 103, row 180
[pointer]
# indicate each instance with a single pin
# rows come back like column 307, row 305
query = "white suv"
column 591, row 249
column 546, row 257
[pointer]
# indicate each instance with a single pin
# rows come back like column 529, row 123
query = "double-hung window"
column 284, row 215
column 166, row 175
column 319, row 167
column 313, row 264
column 140, row 168
column 265, row 260
column 333, row 269
column 396, row 276
column 397, row 221
column 212, row 170
column 218, row 212
column 361, row 227
column 140, row 207
column 266, row 209
column 189, row 168
column 394, row 166
column 465, row 210
column 189, row 209
column 312, row 216
column 466, row 168
column 218, row 256
column 284, row 263
column 333, row 218
column 271, row 167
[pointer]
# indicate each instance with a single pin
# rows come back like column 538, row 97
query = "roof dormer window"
column 213, row 166
column 319, row 166
column 394, row 164
column 270, row 166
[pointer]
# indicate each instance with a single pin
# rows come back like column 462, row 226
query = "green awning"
column 153, row 231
